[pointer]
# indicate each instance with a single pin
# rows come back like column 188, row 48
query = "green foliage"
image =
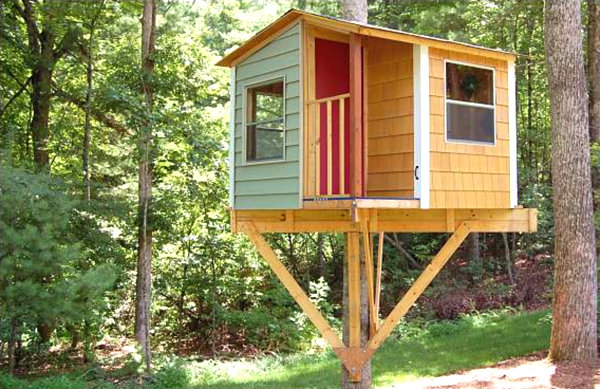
column 42, row 275
column 473, row 341
column 68, row 266
column 172, row 373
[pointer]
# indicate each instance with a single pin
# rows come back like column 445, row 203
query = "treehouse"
column 346, row 127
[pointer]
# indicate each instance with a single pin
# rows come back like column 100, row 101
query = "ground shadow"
column 575, row 375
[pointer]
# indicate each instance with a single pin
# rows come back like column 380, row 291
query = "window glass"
column 469, row 104
column 467, row 123
column 264, row 123
column 468, row 83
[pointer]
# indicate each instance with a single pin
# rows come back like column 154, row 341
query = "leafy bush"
column 172, row 373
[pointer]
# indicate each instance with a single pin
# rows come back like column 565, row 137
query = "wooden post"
column 357, row 317
column 356, row 119
column 353, row 259
column 368, row 250
column 378, row 282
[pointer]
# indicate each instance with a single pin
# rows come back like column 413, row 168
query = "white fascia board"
column 421, row 124
column 232, row 139
column 512, row 134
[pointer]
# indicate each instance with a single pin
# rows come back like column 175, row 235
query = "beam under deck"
column 385, row 219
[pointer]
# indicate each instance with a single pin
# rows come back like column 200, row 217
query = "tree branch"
column 106, row 119
column 399, row 247
column 14, row 97
column 16, row 79
column 33, row 33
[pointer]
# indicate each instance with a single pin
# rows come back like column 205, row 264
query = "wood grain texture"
column 293, row 287
column 419, row 286
column 467, row 175
column 390, row 119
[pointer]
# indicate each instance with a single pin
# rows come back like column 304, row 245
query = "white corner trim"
column 232, row 138
column 421, row 123
column 302, row 105
column 512, row 134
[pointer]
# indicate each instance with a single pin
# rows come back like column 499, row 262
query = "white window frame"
column 254, row 84
column 468, row 104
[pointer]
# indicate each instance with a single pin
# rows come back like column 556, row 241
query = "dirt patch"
column 530, row 372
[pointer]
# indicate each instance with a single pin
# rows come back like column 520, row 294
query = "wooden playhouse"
column 352, row 128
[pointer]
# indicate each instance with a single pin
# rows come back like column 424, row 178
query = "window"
column 469, row 104
column 264, row 122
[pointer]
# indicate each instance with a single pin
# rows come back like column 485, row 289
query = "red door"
column 332, row 80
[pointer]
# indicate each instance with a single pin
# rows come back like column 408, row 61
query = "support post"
column 358, row 352
column 353, row 268
column 368, row 252
column 356, row 115
column 378, row 282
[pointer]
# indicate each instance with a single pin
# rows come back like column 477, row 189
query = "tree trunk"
column 88, row 117
column 365, row 382
column 474, row 252
column 320, row 255
column 12, row 345
column 594, row 87
column 43, row 55
column 41, row 82
column 144, row 264
column 594, row 67
column 575, row 283
column 356, row 10
column 508, row 258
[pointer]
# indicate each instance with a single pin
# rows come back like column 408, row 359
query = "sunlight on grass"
column 441, row 348
column 483, row 341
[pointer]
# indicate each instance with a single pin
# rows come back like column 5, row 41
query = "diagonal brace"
column 419, row 286
column 412, row 295
column 292, row 286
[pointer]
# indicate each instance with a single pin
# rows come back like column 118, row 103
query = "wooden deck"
column 407, row 220
column 360, row 203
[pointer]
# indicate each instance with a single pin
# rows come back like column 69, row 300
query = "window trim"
column 253, row 84
column 469, row 104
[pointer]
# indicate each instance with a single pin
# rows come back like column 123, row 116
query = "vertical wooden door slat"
column 342, row 134
column 329, row 149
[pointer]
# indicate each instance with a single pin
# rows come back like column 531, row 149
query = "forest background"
column 69, row 191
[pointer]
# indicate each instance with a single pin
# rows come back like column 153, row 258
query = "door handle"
column 417, row 172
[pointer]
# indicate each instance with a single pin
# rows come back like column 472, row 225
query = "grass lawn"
column 474, row 341
column 483, row 342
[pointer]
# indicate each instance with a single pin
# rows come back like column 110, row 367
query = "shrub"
column 172, row 374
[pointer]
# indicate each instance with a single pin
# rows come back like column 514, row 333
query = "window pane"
column 475, row 124
column 266, row 102
column 264, row 142
column 467, row 83
column 264, row 130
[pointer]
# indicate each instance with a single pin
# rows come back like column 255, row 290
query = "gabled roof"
column 258, row 40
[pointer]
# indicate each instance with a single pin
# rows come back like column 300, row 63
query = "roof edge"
column 254, row 43
column 281, row 22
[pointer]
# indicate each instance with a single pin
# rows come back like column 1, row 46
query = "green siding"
column 274, row 185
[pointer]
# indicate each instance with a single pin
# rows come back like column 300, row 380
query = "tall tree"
column 144, row 263
column 89, row 51
column 575, row 281
column 45, row 50
column 594, row 67
column 356, row 10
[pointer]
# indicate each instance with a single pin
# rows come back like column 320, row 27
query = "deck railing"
column 315, row 143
